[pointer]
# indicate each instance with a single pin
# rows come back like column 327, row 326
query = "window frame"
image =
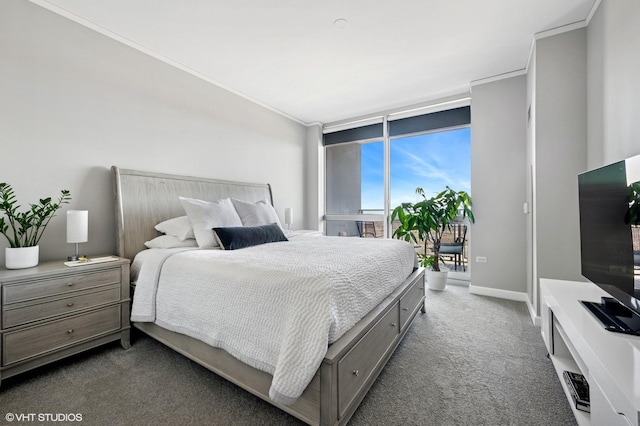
column 456, row 116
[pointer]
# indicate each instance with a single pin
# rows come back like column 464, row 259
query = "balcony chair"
column 366, row 229
column 455, row 249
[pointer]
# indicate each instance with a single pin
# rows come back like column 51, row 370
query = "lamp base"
column 76, row 257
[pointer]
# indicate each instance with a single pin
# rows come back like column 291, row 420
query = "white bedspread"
column 276, row 306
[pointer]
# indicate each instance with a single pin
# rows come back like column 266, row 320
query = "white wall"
column 314, row 178
column 560, row 152
column 595, row 91
column 586, row 96
column 614, row 86
column 529, row 168
column 73, row 103
column 498, row 185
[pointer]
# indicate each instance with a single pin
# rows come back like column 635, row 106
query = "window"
column 433, row 161
column 375, row 167
column 355, row 189
column 430, row 161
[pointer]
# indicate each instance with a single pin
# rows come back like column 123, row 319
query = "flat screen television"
column 609, row 200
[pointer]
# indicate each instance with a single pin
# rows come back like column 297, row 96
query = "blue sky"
column 431, row 161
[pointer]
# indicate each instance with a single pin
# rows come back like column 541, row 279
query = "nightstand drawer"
column 13, row 293
column 73, row 303
column 30, row 342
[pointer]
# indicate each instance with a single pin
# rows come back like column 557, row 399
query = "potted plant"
column 633, row 213
column 426, row 221
column 24, row 229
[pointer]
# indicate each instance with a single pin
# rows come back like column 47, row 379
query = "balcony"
column 375, row 229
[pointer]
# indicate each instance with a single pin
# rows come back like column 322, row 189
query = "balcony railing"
column 368, row 228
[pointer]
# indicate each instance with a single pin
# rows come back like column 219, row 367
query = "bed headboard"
column 144, row 199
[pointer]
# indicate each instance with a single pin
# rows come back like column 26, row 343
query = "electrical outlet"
column 481, row 259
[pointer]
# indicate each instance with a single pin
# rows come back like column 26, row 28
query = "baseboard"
column 509, row 295
column 501, row 294
column 535, row 318
column 454, row 281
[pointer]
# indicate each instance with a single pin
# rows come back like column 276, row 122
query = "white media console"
column 577, row 342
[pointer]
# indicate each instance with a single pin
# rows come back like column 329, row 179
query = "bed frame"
column 352, row 363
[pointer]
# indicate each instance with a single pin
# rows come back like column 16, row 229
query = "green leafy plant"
column 24, row 229
column 633, row 213
column 427, row 220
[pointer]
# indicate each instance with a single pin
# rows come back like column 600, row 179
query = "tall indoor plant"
column 427, row 220
column 24, row 229
column 633, row 213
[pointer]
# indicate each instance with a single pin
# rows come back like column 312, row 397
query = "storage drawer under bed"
column 410, row 302
column 355, row 368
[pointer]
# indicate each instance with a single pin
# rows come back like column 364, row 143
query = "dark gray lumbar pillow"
column 237, row 237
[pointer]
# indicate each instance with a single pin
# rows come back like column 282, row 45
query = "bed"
column 351, row 363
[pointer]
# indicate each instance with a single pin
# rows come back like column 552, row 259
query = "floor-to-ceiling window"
column 433, row 161
column 373, row 168
column 355, row 182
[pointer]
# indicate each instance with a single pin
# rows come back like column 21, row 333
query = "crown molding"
column 499, row 77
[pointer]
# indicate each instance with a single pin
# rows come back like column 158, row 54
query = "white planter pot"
column 436, row 280
column 21, row 257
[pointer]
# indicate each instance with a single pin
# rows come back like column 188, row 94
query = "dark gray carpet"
column 470, row 360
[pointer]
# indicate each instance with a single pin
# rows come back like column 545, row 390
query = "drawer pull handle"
column 356, row 372
column 393, row 324
column 69, row 284
column 70, row 304
column 421, row 288
column 405, row 309
column 70, row 331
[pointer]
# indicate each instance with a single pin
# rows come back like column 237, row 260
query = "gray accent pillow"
column 258, row 213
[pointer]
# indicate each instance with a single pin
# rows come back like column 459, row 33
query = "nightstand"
column 52, row 311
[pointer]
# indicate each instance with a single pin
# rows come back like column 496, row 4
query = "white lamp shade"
column 77, row 226
column 288, row 216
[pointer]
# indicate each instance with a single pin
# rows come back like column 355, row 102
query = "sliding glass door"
column 374, row 168
column 433, row 161
column 355, row 189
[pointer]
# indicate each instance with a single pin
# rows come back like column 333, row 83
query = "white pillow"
column 206, row 215
column 256, row 214
column 179, row 227
column 170, row 241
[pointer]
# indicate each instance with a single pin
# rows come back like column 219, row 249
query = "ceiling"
column 331, row 60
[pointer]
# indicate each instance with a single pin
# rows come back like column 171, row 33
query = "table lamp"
column 288, row 217
column 77, row 229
